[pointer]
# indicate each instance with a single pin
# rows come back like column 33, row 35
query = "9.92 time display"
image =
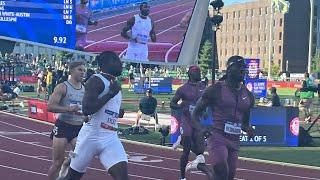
column 59, row 40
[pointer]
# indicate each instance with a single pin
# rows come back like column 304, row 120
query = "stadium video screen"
column 152, row 32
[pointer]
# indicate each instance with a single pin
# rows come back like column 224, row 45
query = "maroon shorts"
column 185, row 127
column 222, row 146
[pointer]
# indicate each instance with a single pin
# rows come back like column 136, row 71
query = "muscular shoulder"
column 94, row 83
column 61, row 89
column 182, row 89
column 212, row 93
column 132, row 20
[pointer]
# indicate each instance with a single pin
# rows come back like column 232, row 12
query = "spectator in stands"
column 148, row 106
column 41, row 85
column 55, row 79
column 305, row 103
column 131, row 78
column 89, row 73
column 64, row 77
column 6, row 92
column 205, row 80
column 49, row 79
column 275, row 100
column 309, row 80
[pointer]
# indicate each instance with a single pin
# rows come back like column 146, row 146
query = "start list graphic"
column 49, row 22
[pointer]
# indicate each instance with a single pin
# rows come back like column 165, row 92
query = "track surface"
column 25, row 153
column 166, row 17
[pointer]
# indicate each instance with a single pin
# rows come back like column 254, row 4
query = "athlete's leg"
column 73, row 175
column 58, row 151
column 232, row 163
column 119, row 171
column 220, row 166
column 114, row 159
column 186, row 143
column 84, row 152
column 198, row 147
column 139, row 114
column 66, row 163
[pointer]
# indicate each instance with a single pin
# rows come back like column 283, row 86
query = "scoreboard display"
column 158, row 85
column 273, row 126
column 49, row 22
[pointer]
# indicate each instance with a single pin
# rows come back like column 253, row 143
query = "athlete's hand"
column 86, row 119
column 74, row 108
column 250, row 132
column 206, row 131
column 114, row 88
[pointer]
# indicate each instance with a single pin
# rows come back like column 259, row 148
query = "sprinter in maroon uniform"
column 188, row 94
column 230, row 101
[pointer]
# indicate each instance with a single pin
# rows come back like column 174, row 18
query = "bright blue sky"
column 228, row 2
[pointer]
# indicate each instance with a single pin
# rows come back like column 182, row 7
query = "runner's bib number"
column 232, row 128
column 77, row 104
column 111, row 118
column 142, row 38
column 81, row 28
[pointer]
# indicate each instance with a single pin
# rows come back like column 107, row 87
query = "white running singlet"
column 95, row 140
column 141, row 31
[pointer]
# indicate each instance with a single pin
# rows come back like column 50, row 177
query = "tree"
column 315, row 62
column 205, row 56
column 275, row 70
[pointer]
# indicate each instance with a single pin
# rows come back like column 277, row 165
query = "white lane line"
column 240, row 169
column 43, row 159
column 278, row 174
column 23, row 170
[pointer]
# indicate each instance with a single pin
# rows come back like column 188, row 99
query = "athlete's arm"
column 185, row 20
column 174, row 101
column 55, row 98
column 153, row 33
column 201, row 106
column 128, row 27
column 206, row 100
column 94, row 86
column 246, row 118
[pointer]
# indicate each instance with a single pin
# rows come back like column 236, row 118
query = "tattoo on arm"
column 55, row 98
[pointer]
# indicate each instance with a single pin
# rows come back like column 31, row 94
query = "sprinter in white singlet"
column 142, row 30
column 99, row 137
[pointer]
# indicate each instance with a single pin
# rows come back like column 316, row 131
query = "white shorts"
column 108, row 148
column 137, row 52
